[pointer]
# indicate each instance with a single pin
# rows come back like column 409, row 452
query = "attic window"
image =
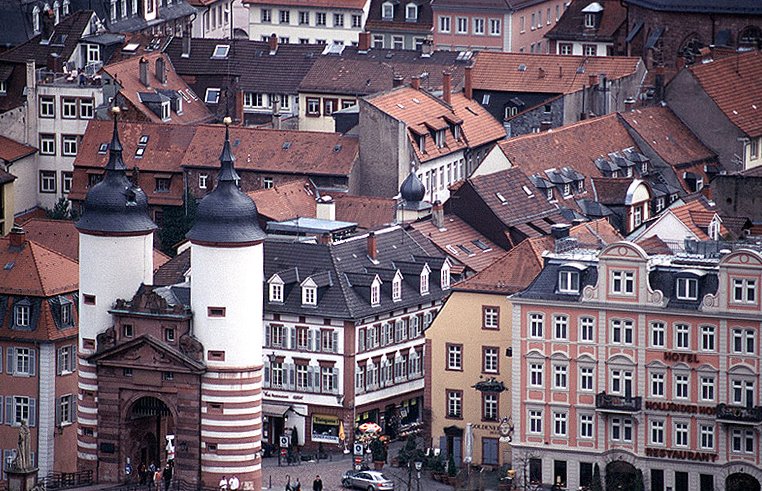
column 440, row 138
column 411, row 12
column 528, row 191
column 139, row 152
column 309, row 295
column 221, row 51
column 276, row 292
column 397, row 289
column 687, row 288
column 387, row 10
column 375, row 294
column 425, row 281
column 444, row 277
column 589, row 21
column 501, row 198
column 286, row 145
column 568, row 282
column 103, row 148
column 143, row 140
column 422, row 143
column 212, row 96
column 485, row 99
column 481, row 245
column 466, row 250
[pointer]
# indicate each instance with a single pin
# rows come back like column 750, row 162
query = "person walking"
column 167, row 476
column 317, row 484
column 298, row 485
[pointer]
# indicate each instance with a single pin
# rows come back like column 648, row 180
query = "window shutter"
column 267, row 335
column 291, row 376
column 32, row 412
column 10, row 360
column 310, row 336
column 443, row 446
column 267, row 374
column 58, row 410
column 335, row 341
column 73, row 358
column 335, row 380
column 9, row 410
column 32, row 361
column 310, row 374
column 293, row 337
column 59, row 361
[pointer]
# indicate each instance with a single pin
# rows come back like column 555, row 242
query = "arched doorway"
column 148, row 422
column 623, row 476
column 740, row 481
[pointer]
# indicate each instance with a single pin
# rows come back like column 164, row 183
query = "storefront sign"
column 686, row 357
column 492, row 429
column 673, row 407
column 325, row 429
column 681, row 454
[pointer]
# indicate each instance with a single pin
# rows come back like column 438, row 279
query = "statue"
column 23, row 460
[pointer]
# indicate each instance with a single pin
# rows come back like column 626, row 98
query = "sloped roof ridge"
column 34, row 249
column 343, row 282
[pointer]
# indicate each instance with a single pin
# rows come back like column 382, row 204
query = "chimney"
column 397, row 80
column 437, row 215
column 363, row 42
column 186, row 45
column 427, row 47
column 545, row 125
column 276, row 112
column 446, row 86
column 17, row 236
column 415, row 82
column 326, row 208
column 540, row 72
column 593, row 79
column 325, row 238
column 273, row 42
column 143, row 71
column 54, row 63
column 239, row 106
column 372, row 246
column 560, row 71
column 161, row 70
column 468, row 90
column 560, row 230
column 629, row 104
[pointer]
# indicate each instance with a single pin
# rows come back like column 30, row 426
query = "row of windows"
column 411, row 11
column 587, row 49
column 301, row 377
column 329, row 105
column 478, row 25
column 401, row 368
column 48, row 182
column 490, row 358
column 58, row 10
column 397, row 42
column 259, row 100
column 401, row 330
column 69, row 144
column 443, row 177
column 536, row 19
column 71, row 107
column 170, row 333
column 301, row 338
column 304, row 18
column 490, row 405
column 216, row 17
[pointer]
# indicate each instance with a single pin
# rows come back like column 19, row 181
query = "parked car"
column 368, row 480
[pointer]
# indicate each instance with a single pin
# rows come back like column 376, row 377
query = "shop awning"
column 277, row 410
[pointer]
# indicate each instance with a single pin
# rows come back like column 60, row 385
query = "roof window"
column 212, row 96
column 221, row 51
column 143, row 140
column 103, row 148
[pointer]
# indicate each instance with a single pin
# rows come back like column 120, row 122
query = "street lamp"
column 418, row 467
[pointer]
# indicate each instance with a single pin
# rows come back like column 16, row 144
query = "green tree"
column 176, row 222
column 410, row 452
column 452, row 469
column 62, row 210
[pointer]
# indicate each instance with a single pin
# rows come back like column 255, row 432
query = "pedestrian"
column 142, row 471
column 234, row 483
column 223, row 484
column 167, row 476
column 298, row 485
column 157, row 479
column 317, row 484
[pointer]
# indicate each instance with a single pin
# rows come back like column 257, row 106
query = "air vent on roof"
column 103, row 148
column 337, row 147
column 415, row 99
column 143, row 140
column 237, row 142
column 522, row 68
column 286, row 145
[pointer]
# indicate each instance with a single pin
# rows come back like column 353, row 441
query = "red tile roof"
column 127, row 72
column 286, row 201
column 338, row 4
column 515, row 270
column 735, row 85
column 11, row 150
column 368, row 212
column 611, row 191
column 696, row 215
column 571, row 24
column 35, row 270
column 421, row 112
column 458, row 233
column 551, row 74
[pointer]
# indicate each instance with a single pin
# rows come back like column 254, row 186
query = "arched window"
column 750, row 36
column 690, row 49
column 411, row 12
column 387, row 10
column 36, row 18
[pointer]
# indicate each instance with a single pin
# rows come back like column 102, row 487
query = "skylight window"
column 501, row 198
column 103, row 148
column 481, row 245
column 221, row 51
column 143, row 140
column 465, row 249
column 139, row 152
column 212, row 96
column 528, row 191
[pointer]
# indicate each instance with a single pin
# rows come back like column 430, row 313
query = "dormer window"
column 567, row 189
column 687, row 288
column 714, row 228
column 397, row 287
column 276, row 291
column 456, row 131
column 165, row 111
column 422, row 143
column 36, row 19
column 444, row 277
column 66, row 314
column 387, row 10
column 568, row 281
column 425, row 280
column 411, row 12
column 375, row 293
column 22, row 315
column 309, row 292
column 549, row 193
column 589, row 21
column 439, row 137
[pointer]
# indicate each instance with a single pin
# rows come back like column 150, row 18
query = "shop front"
column 325, row 428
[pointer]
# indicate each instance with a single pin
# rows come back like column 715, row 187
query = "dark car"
column 368, row 480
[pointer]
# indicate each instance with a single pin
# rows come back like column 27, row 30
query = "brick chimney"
column 446, row 86
column 363, row 42
column 372, row 253
column 468, row 90
column 143, row 71
column 161, row 70
column 17, row 236
column 629, row 104
column 437, row 215
column 397, row 80
column 273, row 42
column 415, row 82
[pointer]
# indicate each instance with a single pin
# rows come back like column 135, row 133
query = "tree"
column 62, row 211
column 410, row 452
column 378, row 450
column 452, row 470
column 176, row 222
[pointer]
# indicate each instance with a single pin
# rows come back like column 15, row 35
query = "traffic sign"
column 358, row 449
column 283, row 441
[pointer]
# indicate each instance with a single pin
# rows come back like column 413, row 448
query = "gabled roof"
column 516, row 270
column 11, row 150
column 549, row 74
column 173, row 271
column 127, row 73
column 283, row 202
column 735, row 85
column 612, row 191
column 399, row 23
column 35, row 270
column 368, row 212
column 571, row 25
column 358, row 74
column 340, row 4
column 743, row 7
column 174, row 358
column 63, row 41
column 257, row 70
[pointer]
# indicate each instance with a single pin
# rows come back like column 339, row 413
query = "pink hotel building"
column 642, row 365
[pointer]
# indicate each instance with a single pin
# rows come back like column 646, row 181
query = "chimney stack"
column 397, row 80
column 273, row 42
column 143, row 71
column 276, row 112
column 161, row 70
column 17, row 236
column 437, row 215
column 415, row 82
column 446, row 86
column 468, row 90
column 545, row 125
column 186, row 45
column 325, row 238
column 560, row 230
column 629, row 104
column 363, row 42
column 372, row 253
column 239, row 106
column 593, row 80
column 326, row 208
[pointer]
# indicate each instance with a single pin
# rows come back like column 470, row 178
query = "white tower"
column 115, row 257
column 226, row 299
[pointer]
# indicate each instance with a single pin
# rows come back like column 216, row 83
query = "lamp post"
column 418, row 467
column 272, row 357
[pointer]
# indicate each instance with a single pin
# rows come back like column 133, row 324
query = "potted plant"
column 378, row 451
column 452, row 471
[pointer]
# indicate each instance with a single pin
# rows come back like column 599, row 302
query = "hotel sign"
column 685, row 357
column 673, row 407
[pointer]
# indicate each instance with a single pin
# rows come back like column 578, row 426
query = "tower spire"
column 115, row 161
column 227, row 172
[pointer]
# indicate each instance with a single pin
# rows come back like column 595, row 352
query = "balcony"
column 739, row 414
column 618, row 404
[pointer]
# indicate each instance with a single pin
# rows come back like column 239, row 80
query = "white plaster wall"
column 47, row 407
column 229, row 277
column 110, row 268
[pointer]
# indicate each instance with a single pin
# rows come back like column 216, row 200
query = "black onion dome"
column 226, row 215
column 412, row 188
column 115, row 205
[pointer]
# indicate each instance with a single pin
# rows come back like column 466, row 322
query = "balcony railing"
column 739, row 414
column 614, row 403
